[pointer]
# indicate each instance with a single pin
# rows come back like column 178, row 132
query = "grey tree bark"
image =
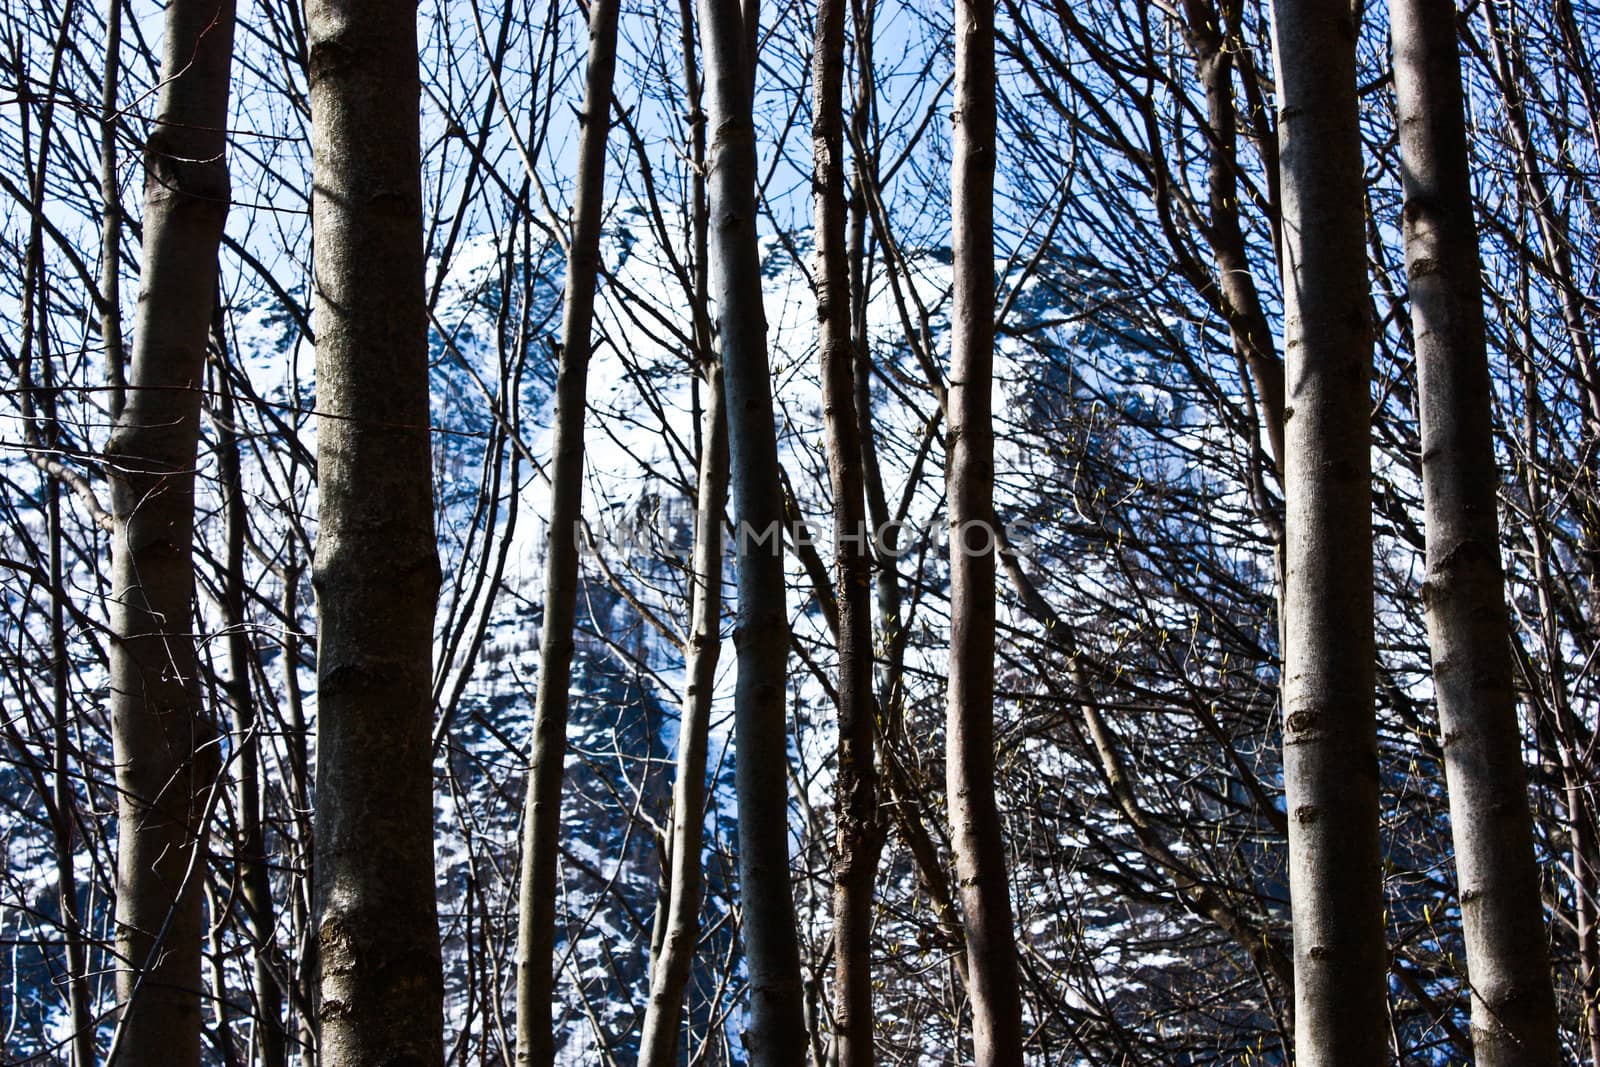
column 164, row 746
column 777, row 1032
column 1513, row 1005
column 376, row 572
column 1329, row 735
column 541, row 825
column 858, row 833
column 976, row 832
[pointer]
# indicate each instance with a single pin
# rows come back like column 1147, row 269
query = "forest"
column 814, row 533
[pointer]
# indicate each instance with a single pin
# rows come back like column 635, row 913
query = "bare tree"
column 858, row 836
column 975, row 828
column 542, row 809
column 376, row 571
column 777, row 1031
column 165, row 746
column 677, row 921
column 1513, row 1007
column 1329, row 736
column 250, row 846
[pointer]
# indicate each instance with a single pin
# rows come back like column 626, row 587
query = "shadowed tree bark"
column 1329, row 736
column 975, row 827
column 376, row 572
column 857, row 831
column 777, row 1033
column 1513, row 1006
column 541, row 825
column 165, row 754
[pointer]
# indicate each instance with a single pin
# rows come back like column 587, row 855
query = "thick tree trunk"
column 541, row 826
column 777, row 1032
column 858, row 834
column 975, row 827
column 376, row 572
column 165, row 759
column 1329, row 735
column 1513, row 1006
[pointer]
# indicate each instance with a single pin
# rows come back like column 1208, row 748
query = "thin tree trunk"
column 1582, row 867
column 111, row 221
column 777, row 1033
column 1212, row 30
column 250, row 848
column 44, row 428
column 64, row 800
column 1329, row 735
column 164, row 756
column 1585, row 887
column 303, row 980
column 677, row 920
column 681, row 925
column 976, row 832
column 858, row 833
column 541, row 827
column 1513, row 1005
column 1510, row 67
column 376, row 572
column 1248, row 932
column 1506, row 61
column 905, row 808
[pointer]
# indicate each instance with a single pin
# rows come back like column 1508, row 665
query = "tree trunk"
column 1212, row 30
column 1507, row 62
column 250, row 850
column 64, row 806
column 1329, row 736
column 975, row 827
column 1511, row 69
column 777, row 1031
column 111, row 219
column 376, row 572
column 541, row 826
column 681, row 924
column 677, row 920
column 1191, row 884
column 1585, row 888
column 1513, row 1006
column 163, row 744
column 858, row 833
column 303, row 979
